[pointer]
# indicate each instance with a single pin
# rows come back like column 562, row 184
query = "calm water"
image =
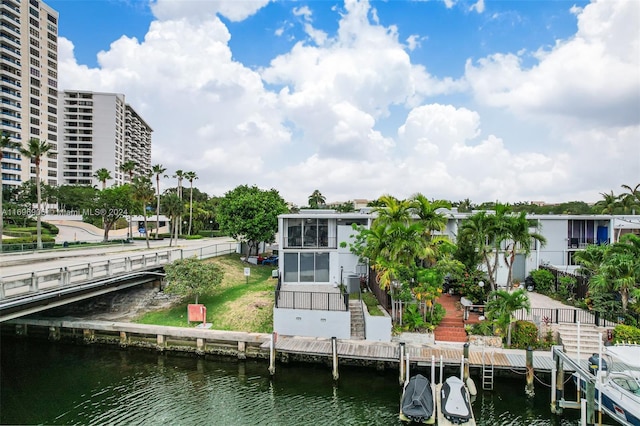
column 44, row 383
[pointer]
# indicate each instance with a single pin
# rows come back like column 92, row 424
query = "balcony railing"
column 309, row 300
column 307, row 243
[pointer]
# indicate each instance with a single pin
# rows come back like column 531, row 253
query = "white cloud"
column 351, row 114
column 478, row 6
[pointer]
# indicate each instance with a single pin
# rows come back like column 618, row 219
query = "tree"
column 316, row 199
column 76, row 197
column 250, row 215
column 128, row 167
column 477, row 230
column 620, row 270
column 190, row 176
column 179, row 175
column 142, row 192
column 110, row 205
column 35, row 150
column 393, row 210
column 631, row 199
column 501, row 306
column 609, row 203
column 172, row 207
column 518, row 240
column 191, row 277
column 158, row 170
column 103, row 175
column 5, row 143
column 428, row 214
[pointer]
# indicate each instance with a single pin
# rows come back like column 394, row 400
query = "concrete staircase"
column 589, row 338
column 451, row 329
column 357, row 320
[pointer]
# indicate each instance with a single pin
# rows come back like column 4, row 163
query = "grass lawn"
column 234, row 305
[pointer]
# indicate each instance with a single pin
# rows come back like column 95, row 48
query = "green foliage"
column 250, row 214
column 626, row 334
column 191, row 277
column 412, row 318
column 371, row 301
column 76, row 198
column 525, row 333
column 436, row 316
column 483, row 328
column 466, row 284
column 544, row 280
column 566, row 287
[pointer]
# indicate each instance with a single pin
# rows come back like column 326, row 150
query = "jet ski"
column 418, row 403
column 454, row 401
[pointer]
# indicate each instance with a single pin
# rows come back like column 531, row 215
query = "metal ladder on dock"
column 487, row 371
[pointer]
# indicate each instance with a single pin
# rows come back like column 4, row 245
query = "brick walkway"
column 451, row 329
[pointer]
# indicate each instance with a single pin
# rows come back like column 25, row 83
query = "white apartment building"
column 28, row 86
column 99, row 130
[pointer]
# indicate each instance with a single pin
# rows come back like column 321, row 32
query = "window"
column 306, row 267
column 310, row 233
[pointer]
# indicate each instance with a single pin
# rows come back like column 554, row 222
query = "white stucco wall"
column 299, row 322
column 377, row 328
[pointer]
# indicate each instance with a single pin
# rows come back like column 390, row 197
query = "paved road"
column 24, row 262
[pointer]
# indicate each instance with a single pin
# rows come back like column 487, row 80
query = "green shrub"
column 436, row 316
column 29, row 243
column 544, row 280
column 524, row 334
column 211, row 234
column 626, row 334
column 191, row 237
column 483, row 328
column 51, row 229
column 412, row 317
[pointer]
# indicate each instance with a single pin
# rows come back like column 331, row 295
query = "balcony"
column 311, row 243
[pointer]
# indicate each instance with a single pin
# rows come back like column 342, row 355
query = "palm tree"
column 478, row 230
column 179, row 175
column 316, row 199
column 428, row 215
column 620, row 270
column 103, row 175
column 519, row 239
column 632, row 199
column 158, row 170
column 5, row 143
column 35, row 150
column 608, row 204
column 143, row 193
column 173, row 207
column 190, row 176
column 501, row 306
column 393, row 210
column 128, row 167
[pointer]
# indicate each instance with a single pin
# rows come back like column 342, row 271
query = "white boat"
column 619, row 384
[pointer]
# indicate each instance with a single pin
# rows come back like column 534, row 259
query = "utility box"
column 197, row 313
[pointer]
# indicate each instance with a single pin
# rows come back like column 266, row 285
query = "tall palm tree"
column 158, row 170
column 179, row 174
column 103, row 175
column 5, row 143
column 501, row 306
column 144, row 194
column 478, row 229
column 518, row 238
column 190, row 176
column 128, row 167
column 172, row 206
column 428, row 215
column 35, row 150
column 316, row 199
column 393, row 210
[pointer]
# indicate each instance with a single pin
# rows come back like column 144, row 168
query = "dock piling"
column 272, row 354
column 465, row 362
column 559, row 391
column 334, row 351
column 529, row 363
column 401, row 351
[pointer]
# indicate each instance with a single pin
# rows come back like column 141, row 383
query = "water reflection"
column 46, row 383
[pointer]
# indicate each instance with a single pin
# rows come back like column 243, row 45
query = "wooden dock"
column 509, row 359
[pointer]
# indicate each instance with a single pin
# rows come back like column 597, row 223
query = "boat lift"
column 558, row 402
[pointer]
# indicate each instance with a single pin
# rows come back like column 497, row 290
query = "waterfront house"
column 318, row 274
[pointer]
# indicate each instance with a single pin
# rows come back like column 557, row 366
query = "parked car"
column 271, row 260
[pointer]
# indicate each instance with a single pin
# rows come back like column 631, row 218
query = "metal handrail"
column 312, row 300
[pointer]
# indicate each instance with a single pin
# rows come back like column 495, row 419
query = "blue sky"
column 487, row 100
